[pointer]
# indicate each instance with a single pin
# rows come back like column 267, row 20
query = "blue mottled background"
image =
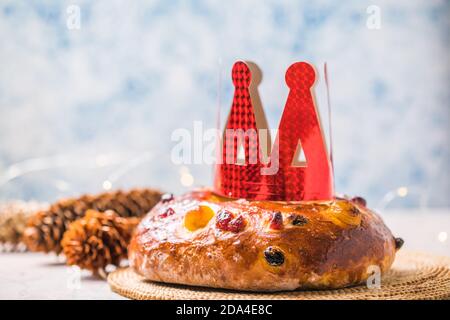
column 81, row 107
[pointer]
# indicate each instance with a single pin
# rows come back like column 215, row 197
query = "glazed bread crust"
column 314, row 245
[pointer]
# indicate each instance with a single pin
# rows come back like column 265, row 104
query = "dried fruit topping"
column 359, row 201
column 343, row 214
column 198, row 218
column 227, row 222
column 354, row 211
column 276, row 221
column 399, row 243
column 274, row 256
column 237, row 225
column 167, row 197
column 167, row 213
column 223, row 219
column 298, row 220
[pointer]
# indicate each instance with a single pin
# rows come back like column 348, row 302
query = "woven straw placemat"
column 414, row 275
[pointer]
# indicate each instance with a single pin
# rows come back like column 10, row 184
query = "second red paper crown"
column 242, row 171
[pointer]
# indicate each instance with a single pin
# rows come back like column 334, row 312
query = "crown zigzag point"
column 300, row 126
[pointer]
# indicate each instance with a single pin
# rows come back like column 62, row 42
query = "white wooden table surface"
column 40, row 276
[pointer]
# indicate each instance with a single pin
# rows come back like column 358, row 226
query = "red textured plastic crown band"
column 283, row 178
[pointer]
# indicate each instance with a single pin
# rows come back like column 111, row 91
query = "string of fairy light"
column 186, row 178
column 123, row 165
column 21, row 169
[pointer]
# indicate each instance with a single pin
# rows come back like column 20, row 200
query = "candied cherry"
column 167, row 213
column 276, row 221
column 237, row 225
column 227, row 221
column 223, row 219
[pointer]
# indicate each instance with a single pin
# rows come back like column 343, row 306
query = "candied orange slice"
column 198, row 218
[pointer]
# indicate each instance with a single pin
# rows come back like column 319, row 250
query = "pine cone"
column 46, row 228
column 97, row 240
column 13, row 220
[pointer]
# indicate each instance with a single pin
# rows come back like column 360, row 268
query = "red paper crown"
column 282, row 178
